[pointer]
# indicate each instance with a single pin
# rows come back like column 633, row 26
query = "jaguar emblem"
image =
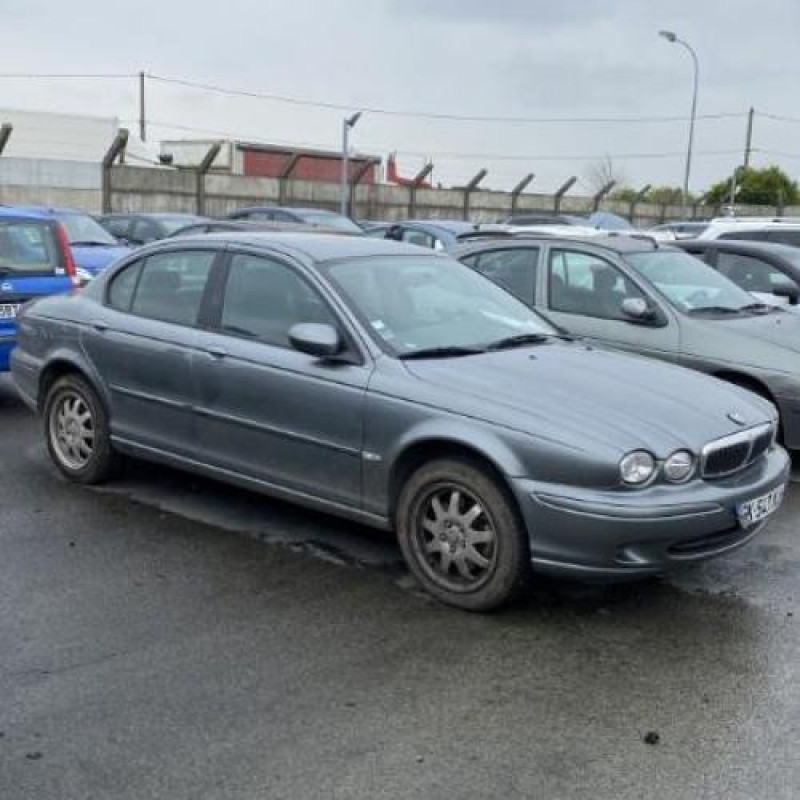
column 737, row 418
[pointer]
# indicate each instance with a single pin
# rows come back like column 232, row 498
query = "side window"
column 171, row 286
column 746, row 236
column 753, row 274
column 122, row 287
column 117, row 226
column 785, row 237
column 257, row 216
column 264, row 299
column 145, row 231
column 418, row 237
column 513, row 269
column 584, row 284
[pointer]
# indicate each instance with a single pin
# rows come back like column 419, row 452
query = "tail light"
column 70, row 268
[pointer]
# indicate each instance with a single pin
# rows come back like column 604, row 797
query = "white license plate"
column 9, row 310
column 757, row 510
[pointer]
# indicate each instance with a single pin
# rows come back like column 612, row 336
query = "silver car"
column 631, row 293
column 400, row 389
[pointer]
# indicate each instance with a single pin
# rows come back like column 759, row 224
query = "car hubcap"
column 455, row 538
column 72, row 430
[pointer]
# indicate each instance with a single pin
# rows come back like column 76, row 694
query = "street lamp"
column 348, row 123
column 674, row 39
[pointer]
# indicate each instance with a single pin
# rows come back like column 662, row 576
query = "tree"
column 666, row 195
column 770, row 186
column 602, row 173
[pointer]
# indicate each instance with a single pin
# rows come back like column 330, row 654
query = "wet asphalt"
column 167, row 637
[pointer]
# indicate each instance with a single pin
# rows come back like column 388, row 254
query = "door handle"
column 217, row 352
column 99, row 325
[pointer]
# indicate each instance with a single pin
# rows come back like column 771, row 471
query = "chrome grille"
column 733, row 453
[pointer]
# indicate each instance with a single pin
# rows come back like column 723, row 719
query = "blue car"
column 35, row 260
column 93, row 247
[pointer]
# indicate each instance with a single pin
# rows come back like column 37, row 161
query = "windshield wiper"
column 520, row 340
column 442, row 352
column 714, row 310
column 93, row 243
column 762, row 308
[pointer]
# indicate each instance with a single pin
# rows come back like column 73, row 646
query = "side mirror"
column 792, row 293
column 315, row 339
column 637, row 309
column 395, row 233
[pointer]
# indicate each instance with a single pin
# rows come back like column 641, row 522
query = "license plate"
column 9, row 310
column 757, row 510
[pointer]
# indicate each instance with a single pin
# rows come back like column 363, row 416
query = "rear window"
column 28, row 248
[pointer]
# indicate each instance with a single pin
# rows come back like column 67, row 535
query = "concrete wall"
column 78, row 185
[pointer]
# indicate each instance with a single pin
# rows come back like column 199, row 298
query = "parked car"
column 397, row 387
column 681, row 230
column 93, row 247
column 779, row 230
column 440, row 234
column 35, row 260
column 633, row 294
column 302, row 216
column 243, row 225
column 542, row 218
column 770, row 272
column 138, row 229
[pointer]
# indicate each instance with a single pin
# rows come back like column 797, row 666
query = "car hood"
column 571, row 392
column 738, row 336
column 95, row 259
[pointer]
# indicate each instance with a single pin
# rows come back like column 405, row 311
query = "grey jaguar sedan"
column 400, row 389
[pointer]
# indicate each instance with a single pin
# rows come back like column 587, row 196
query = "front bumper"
column 616, row 534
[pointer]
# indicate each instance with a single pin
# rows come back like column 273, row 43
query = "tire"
column 461, row 535
column 77, row 433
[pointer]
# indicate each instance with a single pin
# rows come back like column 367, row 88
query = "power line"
column 66, row 75
column 207, row 87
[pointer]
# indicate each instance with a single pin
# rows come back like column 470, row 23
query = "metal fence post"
column 202, row 171
column 470, row 188
column 601, row 194
column 518, row 190
column 5, row 135
column 559, row 195
column 415, row 184
column 640, row 195
column 117, row 149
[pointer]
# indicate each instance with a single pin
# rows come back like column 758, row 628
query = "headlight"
column 679, row 466
column 637, row 467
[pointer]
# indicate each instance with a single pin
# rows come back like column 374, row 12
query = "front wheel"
column 461, row 535
column 77, row 432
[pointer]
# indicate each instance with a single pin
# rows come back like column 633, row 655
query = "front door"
column 584, row 293
column 268, row 411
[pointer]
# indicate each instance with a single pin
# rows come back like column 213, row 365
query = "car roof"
column 619, row 243
column 316, row 246
column 155, row 215
column 18, row 212
column 51, row 211
column 743, row 245
column 454, row 226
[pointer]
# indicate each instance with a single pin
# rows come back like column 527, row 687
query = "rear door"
column 142, row 342
column 584, row 293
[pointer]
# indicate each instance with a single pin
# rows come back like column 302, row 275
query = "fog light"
column 637, row 467
column 679, row 466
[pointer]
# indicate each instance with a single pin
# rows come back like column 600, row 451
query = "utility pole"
column 348, row 123
column 748, row 142
column 142, row 117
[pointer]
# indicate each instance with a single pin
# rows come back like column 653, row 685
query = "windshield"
column 28, row 248
column 687, row 282
column 82, row 229
column 414, row 303
column 330, row 221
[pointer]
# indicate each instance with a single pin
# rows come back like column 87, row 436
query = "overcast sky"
column 511, row 58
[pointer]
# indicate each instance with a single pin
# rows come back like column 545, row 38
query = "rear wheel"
column 77, row 432
column 461, row 535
